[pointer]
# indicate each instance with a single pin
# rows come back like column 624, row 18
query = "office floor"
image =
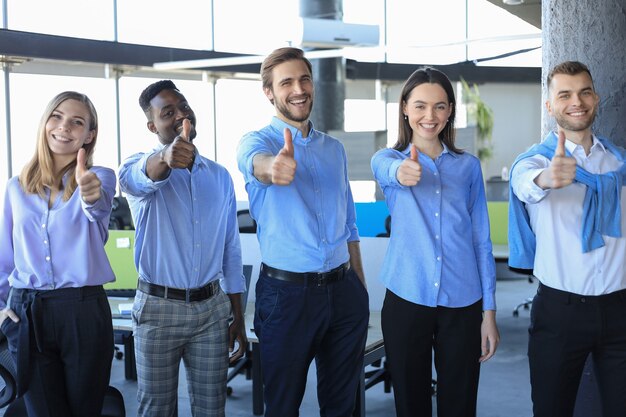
column 504, row 385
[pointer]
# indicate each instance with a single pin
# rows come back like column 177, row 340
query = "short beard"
column 284, row 110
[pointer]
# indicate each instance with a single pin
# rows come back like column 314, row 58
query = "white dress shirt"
column 556, row 220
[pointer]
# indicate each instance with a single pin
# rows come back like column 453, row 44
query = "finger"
column 186, row 129
column 560, row 145
column 81, row 163
column 13, row 316
column 414, row 153
column 288, row 148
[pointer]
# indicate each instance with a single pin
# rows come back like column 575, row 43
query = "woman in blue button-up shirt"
column 52, row 232
column 439, row 270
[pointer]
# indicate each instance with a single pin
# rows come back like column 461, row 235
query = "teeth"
column 428, row 126
column 578, row 113
column 298, row 101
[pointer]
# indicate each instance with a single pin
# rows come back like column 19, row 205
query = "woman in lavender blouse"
column 53, row 228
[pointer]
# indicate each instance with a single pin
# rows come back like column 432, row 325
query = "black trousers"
column 564, row 329
column 412, row 332
column 63, row 348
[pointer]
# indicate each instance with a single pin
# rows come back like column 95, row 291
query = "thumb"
column 186, row 130
column 288, row 148
column 560, row 145
column 414, row 153
column 81, row 163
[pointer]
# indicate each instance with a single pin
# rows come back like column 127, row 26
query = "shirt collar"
column 407, row 150
column 595, row 144
column 279, row 125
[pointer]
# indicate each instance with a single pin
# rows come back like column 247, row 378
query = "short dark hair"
column 420, row 76
column 277, row 57
column 152, row 91
column 568, row 68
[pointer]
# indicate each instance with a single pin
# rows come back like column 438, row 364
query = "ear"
column 151, row 127
column 89, row 138
column 549, row 107
column 269, row 94
column 404, row 108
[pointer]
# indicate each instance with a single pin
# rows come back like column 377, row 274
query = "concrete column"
column 329, row 74
column 592, row 32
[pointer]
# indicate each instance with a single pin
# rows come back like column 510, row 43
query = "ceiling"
column 529, row 10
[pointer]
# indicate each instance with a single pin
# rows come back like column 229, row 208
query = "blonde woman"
column 53, row 228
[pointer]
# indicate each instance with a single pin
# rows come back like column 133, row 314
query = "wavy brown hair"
column 38, row 174
column 420, row 76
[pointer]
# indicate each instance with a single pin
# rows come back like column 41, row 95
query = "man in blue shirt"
column 311, row 299
column 187, row 244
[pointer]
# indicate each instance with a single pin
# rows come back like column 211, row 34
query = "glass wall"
column 75, row 18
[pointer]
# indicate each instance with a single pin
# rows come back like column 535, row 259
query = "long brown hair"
column 38, row 173
column 421, row 76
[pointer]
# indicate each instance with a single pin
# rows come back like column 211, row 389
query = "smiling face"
column 573, row 102
column 292, row 92
column 67, row 130
column 427, row 109
column 168, row 109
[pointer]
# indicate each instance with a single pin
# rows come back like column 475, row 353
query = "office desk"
column 374, row 351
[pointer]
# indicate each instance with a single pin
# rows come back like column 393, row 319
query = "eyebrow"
column 424, row 102
column 74, row 117
column 569, row 91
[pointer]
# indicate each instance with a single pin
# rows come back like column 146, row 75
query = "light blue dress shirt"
column 306, row 225
column 60, row 247
column 186, row 232
column 439, row 252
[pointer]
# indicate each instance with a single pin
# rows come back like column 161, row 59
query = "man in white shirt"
column 568, row 224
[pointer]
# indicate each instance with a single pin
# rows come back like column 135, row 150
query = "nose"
column 576, row 100
column 297, row 86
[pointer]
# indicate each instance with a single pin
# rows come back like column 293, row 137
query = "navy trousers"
column 295, row 324
column 63, row 347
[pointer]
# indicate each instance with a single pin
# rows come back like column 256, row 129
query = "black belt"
column 192, row 294
column 307, row 278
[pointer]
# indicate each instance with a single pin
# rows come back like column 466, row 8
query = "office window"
column 499, row 36
column 252, row 26
column 76, row 18
column 242, row 108
column 135, row 136
column 180, row 24
column 364, row 115
column 422, row 31
column 30, row 93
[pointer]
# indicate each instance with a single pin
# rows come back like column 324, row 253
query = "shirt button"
column 438, row 258
column 45, row 242
column 436, row 284
column 437, row 192
column 47, row 258
column 436, row 214
column 43, row 225
column 435, row 174
column 437, row 237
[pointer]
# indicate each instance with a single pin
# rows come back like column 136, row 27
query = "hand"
column 181, row 152
column 236, row 331
column 284, row 165
column 89, row 184
column 489, row 336
column 410, row 171
column 562, row 168
column 7, row 312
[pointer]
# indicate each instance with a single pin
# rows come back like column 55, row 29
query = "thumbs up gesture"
column 88, row 182
column 410, row 171
column 562, row 168
column 181, row 152
column 284, row 165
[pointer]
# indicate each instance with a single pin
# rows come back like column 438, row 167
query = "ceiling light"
column 513, row 2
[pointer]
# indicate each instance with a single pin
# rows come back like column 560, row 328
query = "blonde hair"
column 38, row 173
